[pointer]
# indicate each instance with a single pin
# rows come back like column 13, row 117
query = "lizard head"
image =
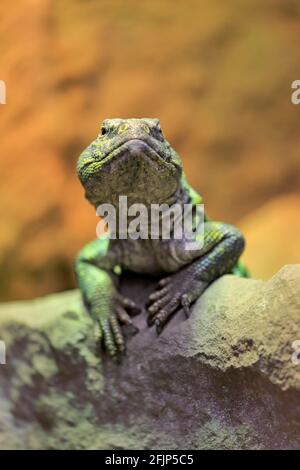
column 130, row 157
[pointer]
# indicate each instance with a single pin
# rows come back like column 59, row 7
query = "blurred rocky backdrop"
column 218, row 75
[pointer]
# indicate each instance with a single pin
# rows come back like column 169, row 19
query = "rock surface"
column 223, row 379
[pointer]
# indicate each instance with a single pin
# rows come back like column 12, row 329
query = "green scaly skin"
column 131, row 157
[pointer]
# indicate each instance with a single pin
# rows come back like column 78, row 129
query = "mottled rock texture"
column 223, row 379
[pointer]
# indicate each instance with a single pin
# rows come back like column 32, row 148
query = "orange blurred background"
column 217, row 74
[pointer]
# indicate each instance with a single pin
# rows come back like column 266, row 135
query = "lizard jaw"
column 134, row 169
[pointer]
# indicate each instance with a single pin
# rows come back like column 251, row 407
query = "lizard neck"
column 147, row 214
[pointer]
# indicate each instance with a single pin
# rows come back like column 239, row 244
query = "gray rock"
column 223, row 379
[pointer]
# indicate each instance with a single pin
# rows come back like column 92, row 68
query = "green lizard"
column 132, row 157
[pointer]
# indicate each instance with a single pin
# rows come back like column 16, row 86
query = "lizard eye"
column 158, row 128
column 103, row 130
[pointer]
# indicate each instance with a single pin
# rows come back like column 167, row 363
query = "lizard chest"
column 148, row 256
column 138, row 256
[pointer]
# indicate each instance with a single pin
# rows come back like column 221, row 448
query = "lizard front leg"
column 94, row 269
column 223, row 245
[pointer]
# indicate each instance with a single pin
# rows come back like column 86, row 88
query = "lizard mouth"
column 136, row 148
column 134, row 169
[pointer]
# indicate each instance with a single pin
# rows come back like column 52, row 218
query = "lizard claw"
column 129, row 305
column 129, row 328
column 112, row 329
column 175, row 291
column 109, row 331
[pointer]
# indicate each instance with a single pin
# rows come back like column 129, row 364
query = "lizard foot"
column 175, row 291
column 109, row 329
column 125, row 309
